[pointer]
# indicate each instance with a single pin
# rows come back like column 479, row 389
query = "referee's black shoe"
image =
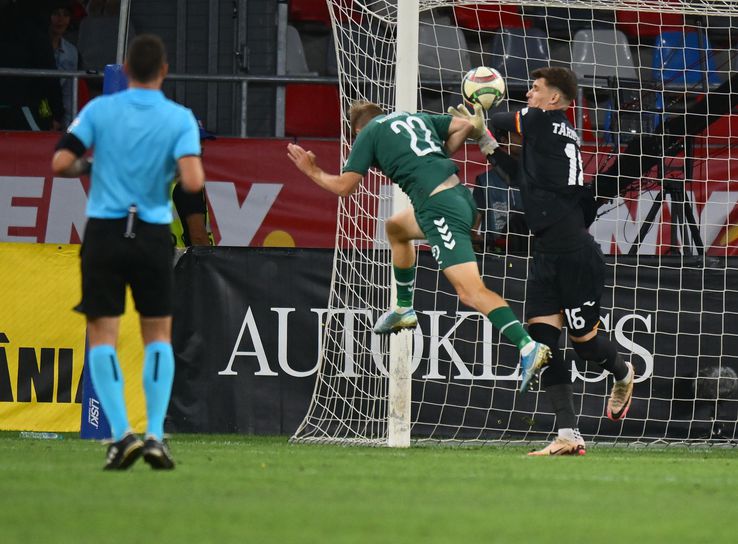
column 123, row 453
column 156, row 453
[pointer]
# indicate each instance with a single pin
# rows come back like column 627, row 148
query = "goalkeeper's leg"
column 557, row 383
column 603, row 352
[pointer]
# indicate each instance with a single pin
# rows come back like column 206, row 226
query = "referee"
column 139, row 139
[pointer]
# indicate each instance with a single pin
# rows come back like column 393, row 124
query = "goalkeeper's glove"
column 488, row 143
column 477, row 119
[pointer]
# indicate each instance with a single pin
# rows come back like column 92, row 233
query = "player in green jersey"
column 414, row 150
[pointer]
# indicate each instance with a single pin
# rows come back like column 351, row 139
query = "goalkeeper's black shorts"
column 110, row 261
column 570, row 283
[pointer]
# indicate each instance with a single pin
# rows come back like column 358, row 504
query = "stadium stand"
column 296, row 62
column 679, row 59
column 490, row 17
column 599, row 55
column 443, row 50
column 602, row 53
column 563, row 23
column 301, row 104
column 682, row 60
column 643, row 26
column 517, row 52
column 310, row 11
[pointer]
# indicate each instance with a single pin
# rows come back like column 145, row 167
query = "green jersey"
column 408, row 148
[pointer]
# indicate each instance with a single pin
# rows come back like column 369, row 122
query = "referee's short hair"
column 562, row 78
column 146, row 56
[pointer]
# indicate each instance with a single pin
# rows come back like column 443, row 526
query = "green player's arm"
column 458, row 132
column 341, row 185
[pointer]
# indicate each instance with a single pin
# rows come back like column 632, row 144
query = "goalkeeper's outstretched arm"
column 479, row 130
column 487, row 142
column 506, row 120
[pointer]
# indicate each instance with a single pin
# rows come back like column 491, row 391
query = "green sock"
column 405, row 282
column 504, row 319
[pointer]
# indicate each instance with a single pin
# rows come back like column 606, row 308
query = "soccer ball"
column 483, row 86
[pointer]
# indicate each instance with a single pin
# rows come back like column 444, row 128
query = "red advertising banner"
column 255, row 194
column 257, row 197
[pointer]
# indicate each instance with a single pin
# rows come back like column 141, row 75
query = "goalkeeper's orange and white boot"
column 621, row 396
column 570, row 444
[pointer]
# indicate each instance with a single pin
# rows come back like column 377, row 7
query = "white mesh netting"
column 656, row 114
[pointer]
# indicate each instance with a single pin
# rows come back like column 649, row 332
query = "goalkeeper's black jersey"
column 551, row 166
column 550, row 175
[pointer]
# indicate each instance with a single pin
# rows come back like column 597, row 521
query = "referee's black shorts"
column 570, row 283
column 111, row 261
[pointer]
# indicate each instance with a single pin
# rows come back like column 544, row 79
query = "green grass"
column 249, row 489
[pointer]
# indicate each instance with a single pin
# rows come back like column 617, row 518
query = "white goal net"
column 657, row 117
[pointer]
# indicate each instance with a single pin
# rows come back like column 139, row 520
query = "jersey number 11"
column 576, row 175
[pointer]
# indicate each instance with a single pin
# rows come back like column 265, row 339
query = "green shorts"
column 446, row 220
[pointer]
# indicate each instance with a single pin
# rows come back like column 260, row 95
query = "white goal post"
column 657, row 117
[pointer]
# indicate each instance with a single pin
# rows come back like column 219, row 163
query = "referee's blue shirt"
column 138, row 135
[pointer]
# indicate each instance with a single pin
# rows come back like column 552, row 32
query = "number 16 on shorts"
column 578, row 318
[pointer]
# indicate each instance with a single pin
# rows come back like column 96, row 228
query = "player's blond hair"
column 361, row 112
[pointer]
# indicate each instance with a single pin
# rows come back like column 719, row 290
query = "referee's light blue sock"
column 158, row 376
column 108, row 381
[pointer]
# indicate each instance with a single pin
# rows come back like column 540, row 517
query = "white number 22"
column 418, row 123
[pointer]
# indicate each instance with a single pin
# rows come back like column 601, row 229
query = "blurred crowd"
column 65, row 35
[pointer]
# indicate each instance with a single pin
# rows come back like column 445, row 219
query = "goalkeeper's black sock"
column 556, row 371
column 556, row 379
column 562, row 402
column 603, row 352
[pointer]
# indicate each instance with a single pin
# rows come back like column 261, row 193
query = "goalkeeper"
column 567, row 272
column 413, row 150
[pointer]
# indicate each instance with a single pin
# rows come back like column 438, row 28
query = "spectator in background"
column 98, row 34
column 28, row 103
column 191, row 226
column 498, row 198
column 65, row 54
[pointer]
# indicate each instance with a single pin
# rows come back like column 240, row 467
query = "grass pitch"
column 255, row 489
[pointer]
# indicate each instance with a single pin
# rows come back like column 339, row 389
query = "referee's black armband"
column 70, row 142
